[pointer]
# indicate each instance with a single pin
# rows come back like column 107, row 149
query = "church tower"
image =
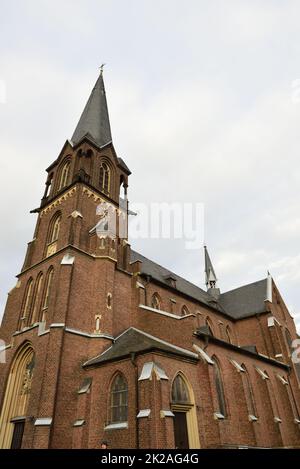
column 61, row 310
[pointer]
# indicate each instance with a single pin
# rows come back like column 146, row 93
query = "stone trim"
column 165, row 313
column 44, row 421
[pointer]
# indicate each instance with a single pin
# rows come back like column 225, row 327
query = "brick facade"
column 99, row 294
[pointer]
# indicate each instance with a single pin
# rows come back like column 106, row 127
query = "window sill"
column 252, row 418
column 116, row 426
column 219, row 416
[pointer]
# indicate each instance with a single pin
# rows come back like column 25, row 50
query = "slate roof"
column 245, row 301
column 239, row 303
column 135, row 340
column 94, row 121
column 161, row 274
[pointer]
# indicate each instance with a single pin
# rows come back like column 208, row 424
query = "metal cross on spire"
column 101, row 68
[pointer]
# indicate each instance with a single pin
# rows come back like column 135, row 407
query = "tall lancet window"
column 53, row 234
column 36, row 299
column 64, row 175
column 219, row 389
column 55, row 231
column 47, row 291
column 26, row 304
column 118, row 399
column 105, row 178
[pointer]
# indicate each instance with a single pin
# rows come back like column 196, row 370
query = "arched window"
column 208, row 323
column 48, row 185
column 249, row 393
column 26, row 303
column 64, row 175
column 55, row 229
column 123, row 187
column 47, row 291
column 180, row 392
column 228, row 334
column 155, row 303
column 53, row 234
column 184, row 311
column 118, row 400
column 219, row 388
column 36, row 298
column 104, row 177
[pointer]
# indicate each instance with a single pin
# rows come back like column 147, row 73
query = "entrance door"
column 180, row 430
column 16, row 442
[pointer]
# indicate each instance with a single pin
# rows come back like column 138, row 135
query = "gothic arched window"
column 53, row 234
column 64, row 175
column 249, row 393
column 184, row 311
column 219, row 388
column 47, row 291
column 180, row 392
column 36, row 298
column 104, row 177
column 155, row 303
column 55, row 230
column 26, row 303
column 48, row 185
column 118, row 399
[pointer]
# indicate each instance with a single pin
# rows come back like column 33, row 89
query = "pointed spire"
column 210, row 276
column 269, row 288
column 94, row 121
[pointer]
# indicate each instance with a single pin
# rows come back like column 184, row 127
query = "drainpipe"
column 133, row 361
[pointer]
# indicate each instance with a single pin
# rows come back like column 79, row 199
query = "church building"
column 102, row 343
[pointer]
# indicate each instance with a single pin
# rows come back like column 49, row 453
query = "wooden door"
column 17, row 434
column 181, row 431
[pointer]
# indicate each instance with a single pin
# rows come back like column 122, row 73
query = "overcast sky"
column 204, row 105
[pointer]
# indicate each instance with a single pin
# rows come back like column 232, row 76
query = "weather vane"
column 101, row 68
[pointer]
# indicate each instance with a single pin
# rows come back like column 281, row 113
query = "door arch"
column 16, row 398
column 186, row 433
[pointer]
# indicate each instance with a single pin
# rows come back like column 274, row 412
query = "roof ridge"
column 243, row 286
column 170, row 271
column 161, row 340
column 158, row 343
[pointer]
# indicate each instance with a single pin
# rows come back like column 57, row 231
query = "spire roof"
column 210, row 276
column 94, row 121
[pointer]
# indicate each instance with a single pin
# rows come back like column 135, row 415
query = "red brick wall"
column 80, row 291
